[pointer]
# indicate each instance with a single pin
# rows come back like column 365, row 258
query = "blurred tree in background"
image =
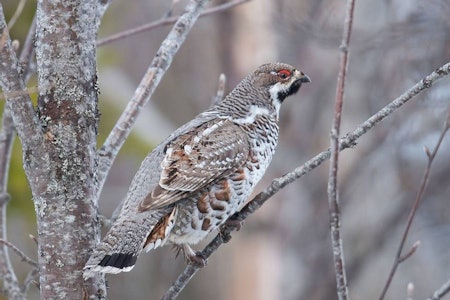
column 283, row 250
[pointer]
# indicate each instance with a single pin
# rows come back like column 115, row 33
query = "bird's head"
column 262, row 91
column 279, row 80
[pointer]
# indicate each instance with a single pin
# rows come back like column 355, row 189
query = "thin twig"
column 411, row 251
column 27, row 54
column 164, row 22
column 333, row 191
column 30, row 279
column 10, row 283
column 25, row 64
column 441, row 292
column 12, row 21
column 7, row 273
column 27, row 91
column 16, row 14
column 349, row 141
column 147, row 86
column 34, row 239
column 398, row 257
column 19, row 253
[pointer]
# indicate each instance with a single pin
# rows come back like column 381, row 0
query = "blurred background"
column 283, row 250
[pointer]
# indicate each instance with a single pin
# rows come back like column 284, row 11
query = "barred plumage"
column 201, row 174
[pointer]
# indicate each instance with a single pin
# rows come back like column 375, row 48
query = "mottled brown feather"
column 203, row 203
column 159, row 231
column 225, row 193
column 206, row 224
column 193, row 160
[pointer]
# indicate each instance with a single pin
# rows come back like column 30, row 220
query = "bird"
column 201, row 174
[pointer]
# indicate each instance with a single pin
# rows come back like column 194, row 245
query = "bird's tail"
column 122, row 244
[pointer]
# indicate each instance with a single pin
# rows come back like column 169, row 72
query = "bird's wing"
column 197, row 158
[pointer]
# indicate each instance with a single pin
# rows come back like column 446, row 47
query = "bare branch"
column 33, row 238
column 411, row 251
column 189, row 272
column 399, row 257
column 441, row 292
column 7, row 274
column 25, row 92
column 147, row 86
column 423, row 84
column 26, row 56
column 19, row 253
column 30, row 279
column 333, row 192
column 164, row 22
column 7, row 134
column 349, row 141
column 11, row 81
column 16, row 14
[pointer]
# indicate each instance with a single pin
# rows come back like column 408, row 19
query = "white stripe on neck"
column 274, row 91
column 254, row 111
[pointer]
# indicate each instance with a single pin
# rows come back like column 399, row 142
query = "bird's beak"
column 304, row 78
column 301, row 77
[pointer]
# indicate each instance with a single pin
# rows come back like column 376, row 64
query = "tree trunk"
column 62, row 171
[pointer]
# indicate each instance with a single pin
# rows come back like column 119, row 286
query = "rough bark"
column 61, row 171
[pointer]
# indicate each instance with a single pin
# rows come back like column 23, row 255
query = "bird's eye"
column 283, row 74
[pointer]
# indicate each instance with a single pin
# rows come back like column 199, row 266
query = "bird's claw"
column 197, row 260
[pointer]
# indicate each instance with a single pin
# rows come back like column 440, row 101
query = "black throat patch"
column 295, row 86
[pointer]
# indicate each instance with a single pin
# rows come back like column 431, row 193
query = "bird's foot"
column 231, row 224
column 197, row 260
column 192, row 257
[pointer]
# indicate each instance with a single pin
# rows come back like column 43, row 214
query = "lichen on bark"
column 64, row 184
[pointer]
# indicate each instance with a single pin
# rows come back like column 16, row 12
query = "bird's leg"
column 232, row 224
column 191, row 256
